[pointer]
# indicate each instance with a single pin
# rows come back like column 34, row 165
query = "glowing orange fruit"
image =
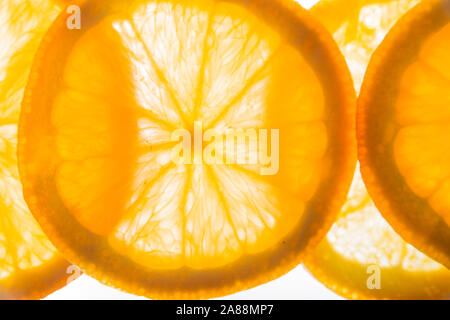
column 97, row 145
column 30, row 267
column 362, row 257
column 402, row 128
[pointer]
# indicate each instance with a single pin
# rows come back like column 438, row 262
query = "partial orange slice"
column 359, row 26
column 108, row 178
column 362, row 257
column 30, row 267
column 403, row 130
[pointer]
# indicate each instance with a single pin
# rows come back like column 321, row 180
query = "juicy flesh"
column 133, row 79
column 421, row 145
column 361, row 234
column 359, row 26
column 22, row 243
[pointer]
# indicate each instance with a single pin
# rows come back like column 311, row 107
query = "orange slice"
column 359, row 26
column 363, row 258
column 30, row 267
column 139, row 210
column 361, row 245
column 403, row 132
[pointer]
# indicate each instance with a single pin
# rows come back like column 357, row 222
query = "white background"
column 297, row 284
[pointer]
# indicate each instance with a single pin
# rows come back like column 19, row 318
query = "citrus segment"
column 30, row 267
column 95, row 151
column 418, row 144
column 403, row 132
column 195, row 148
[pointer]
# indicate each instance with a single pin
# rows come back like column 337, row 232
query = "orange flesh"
column 402, row 148
column 361, row 238
column 159, row 66
column 421, row 148
column 358, row 26
column 201, row 216
column 30, row 267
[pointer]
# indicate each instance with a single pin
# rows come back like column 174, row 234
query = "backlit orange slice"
column 30, row 267
column 362, row 257
column 403, row 131
column 123, row 200
column 359, row 26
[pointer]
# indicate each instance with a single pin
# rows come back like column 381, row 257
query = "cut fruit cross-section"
column 362, row 257
column 358, row 26
column 403, row 130
column 265, row 160
column 30, row 267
